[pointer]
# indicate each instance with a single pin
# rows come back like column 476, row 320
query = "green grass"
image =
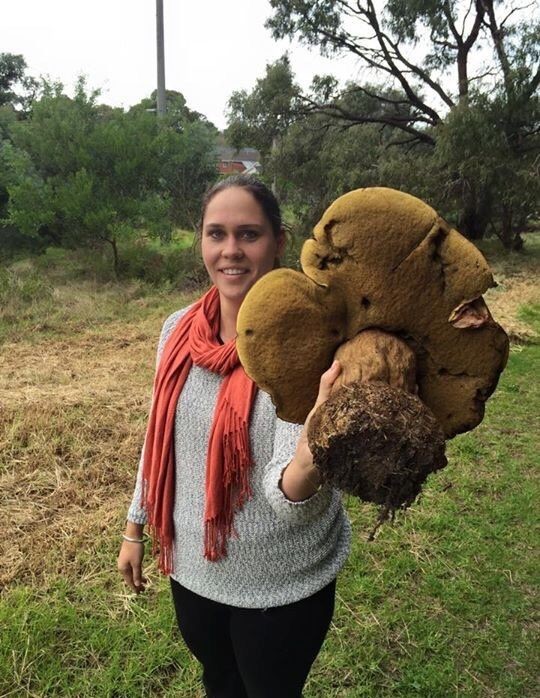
column 441, row 604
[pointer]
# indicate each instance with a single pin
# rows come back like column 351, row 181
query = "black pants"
column 254, row 653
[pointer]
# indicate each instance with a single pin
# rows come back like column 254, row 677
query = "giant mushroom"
column 395, row 293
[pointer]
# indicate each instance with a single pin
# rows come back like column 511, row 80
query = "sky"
column 212, row 48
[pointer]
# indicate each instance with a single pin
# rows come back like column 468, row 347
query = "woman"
column 251, row 541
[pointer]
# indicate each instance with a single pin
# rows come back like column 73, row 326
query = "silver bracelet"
column 132, row 540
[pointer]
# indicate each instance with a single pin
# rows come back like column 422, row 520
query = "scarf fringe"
column 236, row 485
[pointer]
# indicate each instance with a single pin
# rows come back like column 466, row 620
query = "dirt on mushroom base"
column 378, row 443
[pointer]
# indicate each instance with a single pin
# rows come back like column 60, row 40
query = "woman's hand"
column 301, row 478
column 130, row 559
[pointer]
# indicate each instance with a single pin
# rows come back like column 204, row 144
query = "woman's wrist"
column 300, row 481
column 134, row 530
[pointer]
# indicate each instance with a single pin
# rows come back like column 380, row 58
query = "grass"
column 440, row 604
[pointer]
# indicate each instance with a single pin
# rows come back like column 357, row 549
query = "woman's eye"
column 215, row 234
column 250, row 234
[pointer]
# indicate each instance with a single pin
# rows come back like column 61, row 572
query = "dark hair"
column 260, row 192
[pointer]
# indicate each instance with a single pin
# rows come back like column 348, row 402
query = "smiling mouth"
column 234, row 272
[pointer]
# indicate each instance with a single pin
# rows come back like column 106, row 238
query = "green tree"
column 317, row 162
column 322, row 156
column 192, row 162
column 79, row 174
column 16, row 88
column 260, row 117
column 177, row 112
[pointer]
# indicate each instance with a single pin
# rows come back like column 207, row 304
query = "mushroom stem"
column 377, row 356
column 374, row 437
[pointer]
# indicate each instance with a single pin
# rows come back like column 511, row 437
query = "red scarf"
column 228, row 460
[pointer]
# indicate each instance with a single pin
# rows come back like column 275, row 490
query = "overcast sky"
column 212, row 47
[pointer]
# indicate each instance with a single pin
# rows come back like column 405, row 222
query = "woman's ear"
column 282, row 241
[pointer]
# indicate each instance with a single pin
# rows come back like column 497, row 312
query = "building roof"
column 244, row 154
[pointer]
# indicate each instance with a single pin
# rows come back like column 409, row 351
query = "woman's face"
column 238, row 243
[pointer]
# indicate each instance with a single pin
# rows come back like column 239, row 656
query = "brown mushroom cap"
column 287, row 364
column 378, row 258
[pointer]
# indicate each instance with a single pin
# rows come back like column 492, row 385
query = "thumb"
column 328, row 379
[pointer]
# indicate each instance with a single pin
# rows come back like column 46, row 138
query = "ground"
column 440, row 604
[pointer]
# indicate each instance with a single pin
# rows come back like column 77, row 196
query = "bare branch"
column 380, row 98
column 466, row 17
column 482, row 75
column 336, row 111
column 515, row 9
column 384, row 42
column 448, row 14
column 497, row 36
column 416, row 70
column 469, row 41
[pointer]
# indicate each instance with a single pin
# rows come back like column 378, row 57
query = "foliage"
column 177, row 111
column 80, row 174
column 16, row 88
column 316, row 162
column 492, row 181
column 417, row 51
column 262, row 116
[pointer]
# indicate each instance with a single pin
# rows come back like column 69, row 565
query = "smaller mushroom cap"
column 289, row 329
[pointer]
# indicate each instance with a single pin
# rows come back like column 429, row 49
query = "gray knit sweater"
column 284, row 550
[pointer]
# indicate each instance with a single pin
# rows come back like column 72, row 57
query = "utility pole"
column 161, row 99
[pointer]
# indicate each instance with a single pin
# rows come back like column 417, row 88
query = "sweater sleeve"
column 285, row 440
column 136, row 513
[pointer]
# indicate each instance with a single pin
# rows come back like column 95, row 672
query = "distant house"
column 244, row 161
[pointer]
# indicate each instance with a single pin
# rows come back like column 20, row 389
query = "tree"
column 414, row 46
column 263, row 115
column 79, row 174
column 13, row 77
column 177, row 114
column 191, row 164
column 318, row 162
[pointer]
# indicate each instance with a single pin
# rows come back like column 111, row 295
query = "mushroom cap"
column 384, row 259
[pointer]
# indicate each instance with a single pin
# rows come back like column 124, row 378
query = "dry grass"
column 72, row 419
column 518, row 279
column 505, row 301
column 72, row 414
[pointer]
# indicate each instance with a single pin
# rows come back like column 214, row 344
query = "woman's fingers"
column 138, row 580
column 328, row 379
column 130, row 566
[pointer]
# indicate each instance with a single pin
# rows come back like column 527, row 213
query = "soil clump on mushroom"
column 376, row 442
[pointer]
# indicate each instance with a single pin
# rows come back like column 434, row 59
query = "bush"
column 156, row 263
column 21, row 284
